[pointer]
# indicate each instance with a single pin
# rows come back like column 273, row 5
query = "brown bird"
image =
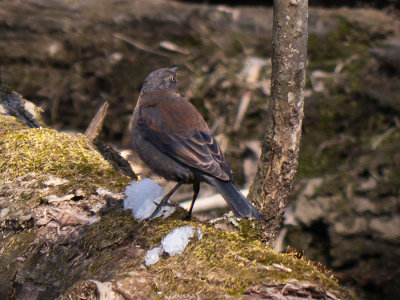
column 172, row 138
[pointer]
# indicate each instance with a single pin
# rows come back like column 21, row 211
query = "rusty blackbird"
column 172, row 138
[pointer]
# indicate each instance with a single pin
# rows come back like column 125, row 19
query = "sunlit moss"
column 218, row 263
column 46, row 151
column 226, row 263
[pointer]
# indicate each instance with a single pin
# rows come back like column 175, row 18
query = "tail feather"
column 239, row 204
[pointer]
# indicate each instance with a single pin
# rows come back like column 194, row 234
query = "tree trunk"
column 278, row 161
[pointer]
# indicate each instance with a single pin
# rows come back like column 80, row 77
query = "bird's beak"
column 174, row 69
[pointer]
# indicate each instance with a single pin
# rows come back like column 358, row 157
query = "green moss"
column 9, row 124
column 111, row 231
column 216, row 264
column 29, row 157
column 226, row 263
column 46, row 151
column 340, row 120
column 347, row 40
column 13, row 247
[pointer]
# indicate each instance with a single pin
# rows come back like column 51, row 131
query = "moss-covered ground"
column 46, row 151
column 216, row 264
column 226, row 263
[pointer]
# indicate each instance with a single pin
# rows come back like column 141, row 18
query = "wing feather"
column 173, row 125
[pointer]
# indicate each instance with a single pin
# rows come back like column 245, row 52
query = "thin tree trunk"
column 278, row 162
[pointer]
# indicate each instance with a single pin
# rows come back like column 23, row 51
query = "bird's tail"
column 241, row 207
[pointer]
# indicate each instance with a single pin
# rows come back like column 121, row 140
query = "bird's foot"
column 188, row 217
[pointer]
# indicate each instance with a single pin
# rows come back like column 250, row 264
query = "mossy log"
column 65, row 234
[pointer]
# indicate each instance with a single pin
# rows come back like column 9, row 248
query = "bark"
column 279, row 158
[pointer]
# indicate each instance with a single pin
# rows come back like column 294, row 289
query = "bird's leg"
column 196, row 189
column 165, row 199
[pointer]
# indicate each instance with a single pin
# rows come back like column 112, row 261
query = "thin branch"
column 139, row 45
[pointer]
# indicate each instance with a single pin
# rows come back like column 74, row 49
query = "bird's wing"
column 173, row 125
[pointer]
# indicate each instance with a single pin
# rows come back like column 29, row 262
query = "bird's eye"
column 173, row 78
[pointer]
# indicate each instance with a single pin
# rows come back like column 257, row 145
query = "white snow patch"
column 176, row 241
column 153, row 256
column 199, row 234
column 143, row 196
column 173, row 243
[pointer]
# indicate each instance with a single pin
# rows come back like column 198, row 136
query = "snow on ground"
column 153, row 256
column 143, row 196
column 173, row 243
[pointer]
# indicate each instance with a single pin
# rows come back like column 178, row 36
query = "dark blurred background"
column 314, row 3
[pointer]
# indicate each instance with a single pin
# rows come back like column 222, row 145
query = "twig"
column 94, row 127
column 139, row 45
column 167, row 45
column 244, row 104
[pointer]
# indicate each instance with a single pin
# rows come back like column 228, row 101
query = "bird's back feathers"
column 173, row 125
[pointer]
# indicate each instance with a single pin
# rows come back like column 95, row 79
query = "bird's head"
column 160, row 79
